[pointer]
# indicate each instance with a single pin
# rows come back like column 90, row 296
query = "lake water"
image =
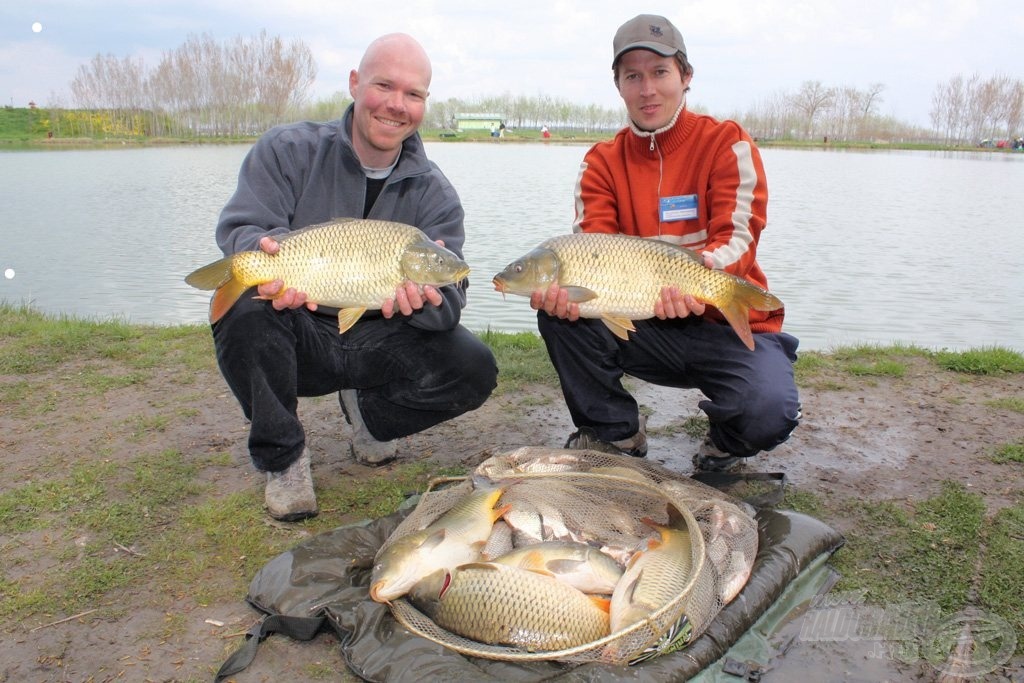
column 863, row 247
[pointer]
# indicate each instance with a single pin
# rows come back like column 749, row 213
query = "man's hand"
column 674, row 304
column 411, row 297
column 280, row 300
column 555, row 301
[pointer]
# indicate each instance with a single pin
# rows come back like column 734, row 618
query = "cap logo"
column 656, row 31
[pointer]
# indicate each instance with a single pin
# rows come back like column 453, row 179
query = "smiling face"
column 390, row 90
column 651, row 86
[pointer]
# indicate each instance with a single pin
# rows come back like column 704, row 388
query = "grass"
column 929, row 552
column 1009, row 452
column 156, row 520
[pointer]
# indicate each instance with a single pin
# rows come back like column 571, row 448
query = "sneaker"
column 365, row 449
column 585, row 438
column 289, row 495
column 709, row 458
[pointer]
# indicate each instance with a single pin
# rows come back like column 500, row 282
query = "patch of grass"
column 1009, row 452
column 522, row 358
column 696, row 426
column 90, row 503
column 927, row 553
column 802, row 501
column 1001, row 588
column 811, row 365
column 37, row 343
column 830, row 371
column 991, row 360
column 1012, row 403
column 881, row 368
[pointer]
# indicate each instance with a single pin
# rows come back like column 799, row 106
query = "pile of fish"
column 565, row 552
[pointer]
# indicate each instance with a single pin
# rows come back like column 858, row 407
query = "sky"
column 744, row 52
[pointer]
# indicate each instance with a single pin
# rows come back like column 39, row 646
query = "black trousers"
column 408, row 379
column 752, row 400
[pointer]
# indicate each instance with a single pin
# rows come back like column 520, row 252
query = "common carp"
column 456, row 537
column 349, row 264
column 618, row 278
column 581, row 566
column 654, row 576
column 501, row 605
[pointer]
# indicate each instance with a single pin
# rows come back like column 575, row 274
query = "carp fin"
column 737, row 314
column 578, row 295
column 565, row 565
column 433, row 540
column 347, row 317
column 224, row 298
column 534, row 562
column 620, row 327
column 603, row 604
column 211, row 276
column 737, row 310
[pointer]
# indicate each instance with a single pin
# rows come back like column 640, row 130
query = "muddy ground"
column 870, row 438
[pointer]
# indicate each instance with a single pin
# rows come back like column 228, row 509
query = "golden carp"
column 583, row 567
column 654, row 576
column 455, row 538
column 501, row 605
column 349, row 264
column 618, row 278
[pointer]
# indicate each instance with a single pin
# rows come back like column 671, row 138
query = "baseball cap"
column 648, row 32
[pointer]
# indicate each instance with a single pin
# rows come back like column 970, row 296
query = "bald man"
column 397, row 371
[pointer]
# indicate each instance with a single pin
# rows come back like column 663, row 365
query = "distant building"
column 31, row 105
column 465, row 122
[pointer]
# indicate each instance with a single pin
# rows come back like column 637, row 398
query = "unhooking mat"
column 323, row 582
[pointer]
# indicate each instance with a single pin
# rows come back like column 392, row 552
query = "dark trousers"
column 408, row 379
column 752, row 400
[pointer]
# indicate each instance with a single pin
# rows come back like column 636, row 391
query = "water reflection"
column 876, row 247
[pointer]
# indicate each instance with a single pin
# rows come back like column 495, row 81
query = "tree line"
column 976, row 108
column 244, row 86
column 202, row 88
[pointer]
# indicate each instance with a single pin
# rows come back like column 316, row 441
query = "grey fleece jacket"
column 306, row 173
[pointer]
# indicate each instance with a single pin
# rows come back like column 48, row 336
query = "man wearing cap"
column 697, row 182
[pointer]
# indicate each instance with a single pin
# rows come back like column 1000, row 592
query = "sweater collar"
column 667, row 138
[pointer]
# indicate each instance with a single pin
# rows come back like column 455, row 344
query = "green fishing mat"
column 323, row 583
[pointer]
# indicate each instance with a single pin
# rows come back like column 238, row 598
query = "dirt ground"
column 874, row 438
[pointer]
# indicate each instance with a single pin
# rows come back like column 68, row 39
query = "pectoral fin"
column 578, row 295
column 347, row 317
column 620, row 327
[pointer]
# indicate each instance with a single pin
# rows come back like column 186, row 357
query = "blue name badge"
column 680, row 208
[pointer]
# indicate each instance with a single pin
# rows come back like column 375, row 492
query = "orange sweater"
column 711, row 172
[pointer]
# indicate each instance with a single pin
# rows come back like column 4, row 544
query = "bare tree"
column 811, row 100
column 283, row 75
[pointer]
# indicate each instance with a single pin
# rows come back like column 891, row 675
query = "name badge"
column 680, row 208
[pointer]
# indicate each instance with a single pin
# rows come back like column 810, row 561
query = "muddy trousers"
column 408, row 379
column 752, row 401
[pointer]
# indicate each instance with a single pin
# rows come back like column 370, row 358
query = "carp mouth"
column 375, row 592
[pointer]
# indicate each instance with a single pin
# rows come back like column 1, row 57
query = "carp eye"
column 519, row 267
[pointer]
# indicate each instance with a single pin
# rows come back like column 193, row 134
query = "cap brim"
column 661, row 49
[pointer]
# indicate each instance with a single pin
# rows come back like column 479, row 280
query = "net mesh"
column 601, row 500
